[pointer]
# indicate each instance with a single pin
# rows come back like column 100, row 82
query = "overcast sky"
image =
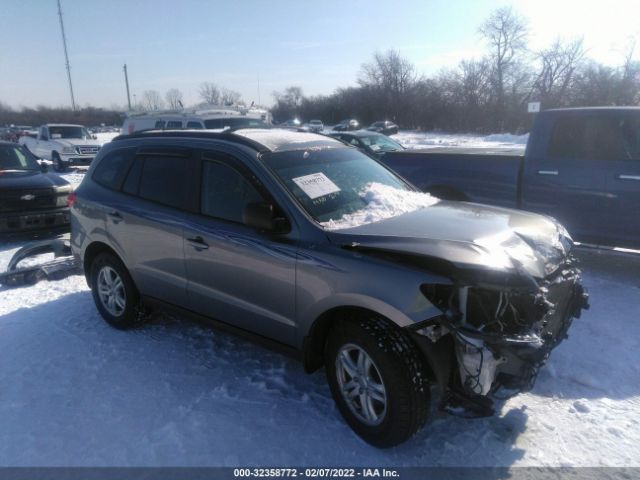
column 256, row 47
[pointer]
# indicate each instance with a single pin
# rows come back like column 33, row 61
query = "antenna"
column 66, row 57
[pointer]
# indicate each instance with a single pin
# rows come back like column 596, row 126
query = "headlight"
column 69, row 150
column 62, row 193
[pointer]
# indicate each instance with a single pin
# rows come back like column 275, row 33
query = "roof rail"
column 226, row 135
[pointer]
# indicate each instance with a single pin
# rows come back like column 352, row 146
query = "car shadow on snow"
column 173, row 392
column 601, row 356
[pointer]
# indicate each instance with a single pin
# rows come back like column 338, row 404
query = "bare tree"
column 388, row 71
column 506, row 33
column 151, row 100
column 174, row 98
column 229, row 97
column 558, row 65
column 209, row 93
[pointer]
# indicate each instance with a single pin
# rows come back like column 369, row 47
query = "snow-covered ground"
column 416, row 139
column 74, row 391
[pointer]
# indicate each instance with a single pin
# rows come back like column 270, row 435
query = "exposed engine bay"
column 500, row 335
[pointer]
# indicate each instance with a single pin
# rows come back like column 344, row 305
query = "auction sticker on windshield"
column 316, row 185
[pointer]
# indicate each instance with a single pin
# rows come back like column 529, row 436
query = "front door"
column 236, row 274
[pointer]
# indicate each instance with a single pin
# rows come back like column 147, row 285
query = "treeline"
column 88, row 116
column 482, row 95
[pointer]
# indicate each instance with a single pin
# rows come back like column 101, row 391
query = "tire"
column 123, row 312
column 395, row 364
column 58, row 164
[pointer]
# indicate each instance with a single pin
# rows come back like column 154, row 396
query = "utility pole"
column 126, row 81
column 66, row 57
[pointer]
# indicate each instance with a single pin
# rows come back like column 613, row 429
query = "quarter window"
column 112, row 169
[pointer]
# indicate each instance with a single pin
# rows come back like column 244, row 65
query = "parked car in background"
column 206, row 118
column 316, row 126
column 582, row 166
column 371, row 143
column 30, row 197
column 273, row 233
column 346, row 125
column 385, row 127
column 63, row 144
column 291, row 124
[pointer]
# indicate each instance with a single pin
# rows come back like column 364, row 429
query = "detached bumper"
column 54, row 219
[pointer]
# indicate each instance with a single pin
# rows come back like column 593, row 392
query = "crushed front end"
column 494, row 335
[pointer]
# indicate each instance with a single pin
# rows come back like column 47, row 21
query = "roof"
column 261, row 139
column 595, row 109
column 279, row 140
column 63, row 125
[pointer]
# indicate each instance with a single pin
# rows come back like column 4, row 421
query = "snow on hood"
column 383, row 202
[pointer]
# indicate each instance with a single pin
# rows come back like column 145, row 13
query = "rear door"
column 145, row 220
column 236, row 274
column 565, row 180
column 620, row 151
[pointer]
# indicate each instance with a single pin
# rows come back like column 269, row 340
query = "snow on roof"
column 278, row 140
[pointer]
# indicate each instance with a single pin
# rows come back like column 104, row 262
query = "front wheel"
column 378, row 381
column 58, row 164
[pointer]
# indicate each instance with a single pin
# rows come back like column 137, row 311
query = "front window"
column 381, row 143
column 16, row 159
column 342, row 188
column 69, row 132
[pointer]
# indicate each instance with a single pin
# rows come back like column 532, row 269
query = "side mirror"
column 95, row 137
column 259, row 215
column 44, row 168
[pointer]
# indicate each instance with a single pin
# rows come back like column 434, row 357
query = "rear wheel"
column 377, row 380
column 113, row 290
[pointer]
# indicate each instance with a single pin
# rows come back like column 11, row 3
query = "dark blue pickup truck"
column 581, row 166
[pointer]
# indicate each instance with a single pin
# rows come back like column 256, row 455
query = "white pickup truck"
column 63, row 144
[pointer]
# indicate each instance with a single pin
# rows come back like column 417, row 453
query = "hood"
column 30, row 180
column 468, row 236
column 76, row 142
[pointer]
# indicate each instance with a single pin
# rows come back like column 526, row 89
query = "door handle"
column 198, row 243
column 115, row 216
column 547, row 172
column 629, row 177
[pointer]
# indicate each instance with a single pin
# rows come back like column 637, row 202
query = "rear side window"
column 112, row 169
column 174, row 124
column 194, row 125
column 159, row 124
column 225, row 192
column 596, row 138
column 163, row 180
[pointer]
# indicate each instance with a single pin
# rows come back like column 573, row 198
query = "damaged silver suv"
column 310, row 245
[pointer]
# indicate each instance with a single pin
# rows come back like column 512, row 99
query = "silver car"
column 309, row 245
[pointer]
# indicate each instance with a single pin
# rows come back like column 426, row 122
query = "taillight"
column 71, row 199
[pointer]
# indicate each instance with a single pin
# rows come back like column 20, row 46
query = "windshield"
column 380, row 143
column 68, row 132
column 336, row 185
column 16, row 158
column 234, row 122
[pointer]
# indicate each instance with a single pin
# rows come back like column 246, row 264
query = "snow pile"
column 383, row 202
column 415, row 139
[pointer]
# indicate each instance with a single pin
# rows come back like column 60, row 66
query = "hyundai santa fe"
column 311, row 245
